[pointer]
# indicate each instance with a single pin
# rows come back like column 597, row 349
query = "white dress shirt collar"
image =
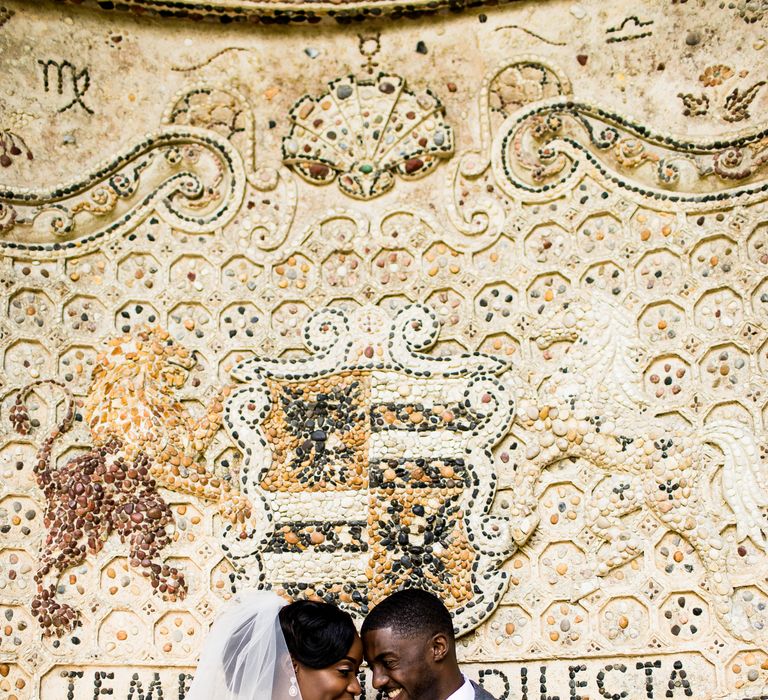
column 465, row 692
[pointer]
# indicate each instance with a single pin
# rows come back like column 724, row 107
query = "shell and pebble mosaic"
column 373, row 324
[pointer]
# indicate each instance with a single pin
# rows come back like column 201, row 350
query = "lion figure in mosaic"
column 590, row 408
column 142, row 438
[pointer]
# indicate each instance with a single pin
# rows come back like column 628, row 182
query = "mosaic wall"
column 476, row 301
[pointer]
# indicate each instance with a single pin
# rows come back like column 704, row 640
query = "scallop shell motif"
column 365, row 132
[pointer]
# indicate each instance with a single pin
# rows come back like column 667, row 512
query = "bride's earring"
column 293, row 691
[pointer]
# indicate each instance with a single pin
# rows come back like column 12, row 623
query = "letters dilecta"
column 617, row 679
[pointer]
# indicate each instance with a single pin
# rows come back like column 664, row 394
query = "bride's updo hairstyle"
column 259, row 648
column 317, row 634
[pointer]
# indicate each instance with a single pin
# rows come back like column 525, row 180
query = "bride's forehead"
column 355, row 653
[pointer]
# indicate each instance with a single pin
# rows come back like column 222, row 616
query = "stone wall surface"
column 339, row 297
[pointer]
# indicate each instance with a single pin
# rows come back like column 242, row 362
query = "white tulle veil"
column 244, row 656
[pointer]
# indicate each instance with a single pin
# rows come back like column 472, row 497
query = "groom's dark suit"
column 481, row 693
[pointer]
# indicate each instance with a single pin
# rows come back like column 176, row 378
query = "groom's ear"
column 439, row 646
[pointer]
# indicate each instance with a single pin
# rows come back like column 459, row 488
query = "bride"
column 262, row 649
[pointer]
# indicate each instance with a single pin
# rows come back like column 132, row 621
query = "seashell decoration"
column 365, row 132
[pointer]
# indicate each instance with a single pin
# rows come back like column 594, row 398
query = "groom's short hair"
column 410, row 613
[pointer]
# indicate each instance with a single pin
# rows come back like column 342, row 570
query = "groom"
column 411, row 650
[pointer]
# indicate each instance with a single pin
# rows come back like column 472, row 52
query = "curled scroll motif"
column 191, row 178
column 365, row 133
column 510, row 86
column 540, row 152
column 416, row 329
column 397, row 343
column 228, row 113
column 326, row 334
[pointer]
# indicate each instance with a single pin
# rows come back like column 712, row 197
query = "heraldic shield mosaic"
column 372, row 460
column 339, row 298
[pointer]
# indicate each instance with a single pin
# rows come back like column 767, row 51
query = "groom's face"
column 402, row 668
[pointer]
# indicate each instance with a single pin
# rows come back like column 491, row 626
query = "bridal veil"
column 245, row 656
